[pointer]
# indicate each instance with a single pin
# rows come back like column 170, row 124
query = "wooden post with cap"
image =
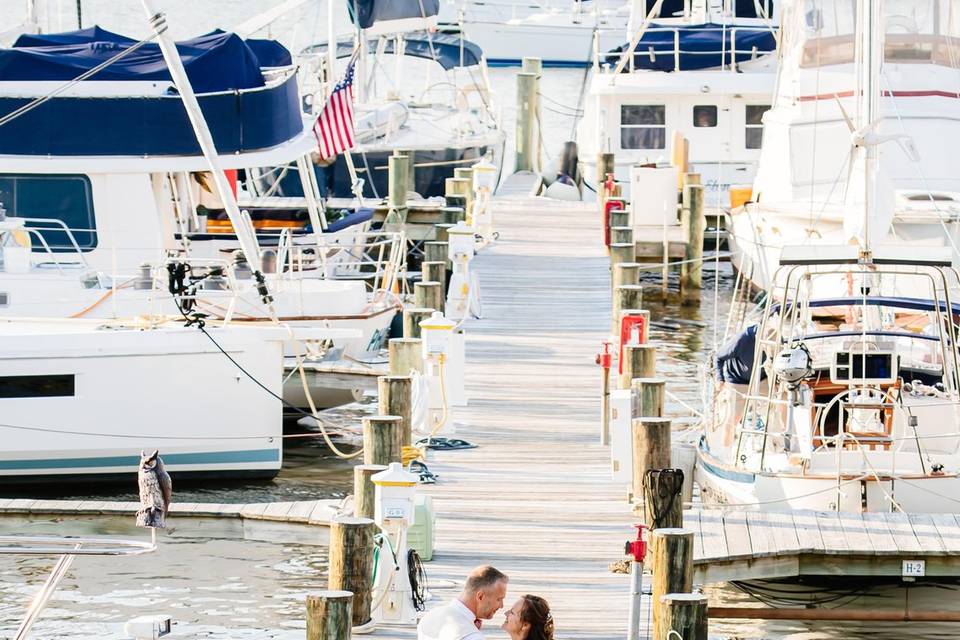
column 330, row 615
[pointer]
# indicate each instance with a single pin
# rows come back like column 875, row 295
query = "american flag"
column 334, row 126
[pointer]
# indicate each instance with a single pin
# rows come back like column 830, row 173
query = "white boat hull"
column 125, row 390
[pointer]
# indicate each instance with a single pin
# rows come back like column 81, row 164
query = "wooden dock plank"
column 902, row 532
column 855, row 533
column 762, row 542
column 879, row 532
column 808, row 531
column 784, row 532
column 712, row 535
column 949, row 530
column 926, row 532
column 831, row 532
column 737, row 534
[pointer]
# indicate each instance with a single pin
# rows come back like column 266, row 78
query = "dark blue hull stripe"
column 516, row 62
column 726, row 474
column 204, row 457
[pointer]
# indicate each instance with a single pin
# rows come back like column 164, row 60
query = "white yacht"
column 698, row 69
column 127, row 222
column 562, row 33
column 416, row 90
column 81, row 396
column 809, row 188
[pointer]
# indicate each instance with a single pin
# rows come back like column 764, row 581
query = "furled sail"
column 393, row 16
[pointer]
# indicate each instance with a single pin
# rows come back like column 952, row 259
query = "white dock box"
column 621, row 442
column 653, row 196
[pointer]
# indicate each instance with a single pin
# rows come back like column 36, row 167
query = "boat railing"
column 71, row 257
column 728, row 54
column 375, row 257
column 67, row 548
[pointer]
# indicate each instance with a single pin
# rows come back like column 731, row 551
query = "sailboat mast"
column 870, row 23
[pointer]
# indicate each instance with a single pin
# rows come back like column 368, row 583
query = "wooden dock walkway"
column 535, row 498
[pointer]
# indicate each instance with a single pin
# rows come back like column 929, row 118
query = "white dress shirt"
column 451, row 621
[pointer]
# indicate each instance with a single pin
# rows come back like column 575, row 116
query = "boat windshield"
column 916, row 31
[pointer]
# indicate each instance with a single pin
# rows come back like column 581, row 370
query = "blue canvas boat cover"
column 217, row 61
column 364, row 13
column 702, row 46
column 243, row 113
column 447, row 49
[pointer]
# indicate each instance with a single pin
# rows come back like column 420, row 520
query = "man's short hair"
column 482, row 578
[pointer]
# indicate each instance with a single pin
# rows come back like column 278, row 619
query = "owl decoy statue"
column 156, row 489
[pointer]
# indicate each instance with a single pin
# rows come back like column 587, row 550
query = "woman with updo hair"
column 529, row 619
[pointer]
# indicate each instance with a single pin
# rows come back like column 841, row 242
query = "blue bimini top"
column 702, row 46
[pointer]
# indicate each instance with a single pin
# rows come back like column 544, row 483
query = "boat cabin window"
column 754, row 125
column 63, row 198
column 46, row 386
column 643, row 126
column 705, row 115
column 748, row 8
column 669, row 8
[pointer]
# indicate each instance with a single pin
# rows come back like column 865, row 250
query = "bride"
column 529, row 619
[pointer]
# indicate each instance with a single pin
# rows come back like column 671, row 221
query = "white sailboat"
column 447, row 118
column 843, row 393
column 809, row 189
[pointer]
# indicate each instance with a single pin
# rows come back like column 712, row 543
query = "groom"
column 462, row 617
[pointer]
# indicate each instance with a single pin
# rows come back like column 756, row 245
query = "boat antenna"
column 241, row 224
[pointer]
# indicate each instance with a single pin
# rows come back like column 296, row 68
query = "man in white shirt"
column 462, row 617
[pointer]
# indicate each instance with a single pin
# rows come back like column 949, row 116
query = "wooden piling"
column 663, row 498
column 398, row 168
column 411, row 168
column 671, row 553
column 351, row 562
column 625, row 296
column 621, row 235
column 412, row 317
column 639, row 361
column 429, row 295
column 433, row 272
column 382, row 439
column 466, row 174
column 694, row 222
column 526, row 141
column 683, row 616
column 647, row 397
column 535, row 66
column 436, row 252
column 622, row 252
column 330, row 615
column 651, row 449
column 441, row 232
column 395, row 398
column 606, row 163
column 364, row 490
column 620, row 218
column 626, row 273
column 406, row 355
